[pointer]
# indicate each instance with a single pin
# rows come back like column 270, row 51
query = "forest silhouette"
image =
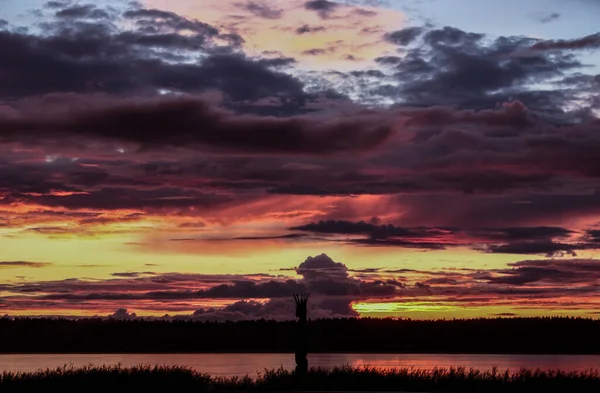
column 359, row 335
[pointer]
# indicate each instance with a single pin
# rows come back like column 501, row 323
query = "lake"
column 250, row 364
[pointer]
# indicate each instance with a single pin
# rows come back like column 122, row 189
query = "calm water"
column 242, row 364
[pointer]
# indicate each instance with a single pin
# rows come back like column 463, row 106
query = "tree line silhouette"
column 498, row 335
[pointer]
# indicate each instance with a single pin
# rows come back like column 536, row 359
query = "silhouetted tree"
column 360, row 335
column 301, row 342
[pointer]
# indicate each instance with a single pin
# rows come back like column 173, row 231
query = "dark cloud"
column 127, row 198
column 374, row 231
column 363, row 12
column 249, row 289
column 22, row 264
column 107, row 56
column 559, row 272
column 261, row 10
column 405, row 36
column 132, row 274
column 57, row 4
column 277, row 309
column 547, row 17
column 591, row 41
column 548, row 248
column 450, row 36
column 193, row 225
column 593, row 235
column 277, row 62
column 388, row 60
column 492, row 161
column 305, row 29
column 323, row 7
column 324, row 276
column 368, row 73
column 521, row 233
column 454, row 67
column 187, row 121
column 510, row 240
column 314, row 52
column 123, row 315
column 160, row 21
column 87, row 11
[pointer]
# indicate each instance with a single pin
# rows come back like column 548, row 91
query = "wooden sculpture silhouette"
column 301, row 342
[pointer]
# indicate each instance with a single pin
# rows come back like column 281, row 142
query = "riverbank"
column 182, row 379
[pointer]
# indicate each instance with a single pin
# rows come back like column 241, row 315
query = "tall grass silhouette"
column 182, row 379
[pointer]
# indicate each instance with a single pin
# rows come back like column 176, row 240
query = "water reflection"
column 251, row 364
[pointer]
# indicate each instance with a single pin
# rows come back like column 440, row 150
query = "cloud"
column 132, row 274
column 188, row 121
column 591, row 41
column 123, row 315
column 559, row 272
column 522, row 233
column 277, row 309
column 440, row 72
column 547, row 17
column 412, row 160
column 262, row 10
column 323, row 7
column 22, row 264
column 314, row 52
column 305, row 29
column 141, row 51
column 331, row 287
column 363, row 228
column 405, row 36
column 509, row 240
column 87, row 11
column 159, row 21
column 548, row 248
column 521, row 284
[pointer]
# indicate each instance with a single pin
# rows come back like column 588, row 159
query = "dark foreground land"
column 176, row 379
column 501, row 335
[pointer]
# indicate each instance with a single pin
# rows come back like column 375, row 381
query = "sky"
column 205, row 160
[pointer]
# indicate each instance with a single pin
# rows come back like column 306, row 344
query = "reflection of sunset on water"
column 478, row 362
column 250, row 364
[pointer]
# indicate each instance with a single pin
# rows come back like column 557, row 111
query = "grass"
column 181, row 379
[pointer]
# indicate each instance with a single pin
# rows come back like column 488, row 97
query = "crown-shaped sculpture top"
column 301, row 303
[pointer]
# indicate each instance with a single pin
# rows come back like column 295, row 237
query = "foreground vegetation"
column 498, row 335
column 181, row 379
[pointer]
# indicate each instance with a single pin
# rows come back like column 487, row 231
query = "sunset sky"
column 207, row 159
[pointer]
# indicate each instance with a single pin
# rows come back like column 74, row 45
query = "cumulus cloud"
column 123, row 315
